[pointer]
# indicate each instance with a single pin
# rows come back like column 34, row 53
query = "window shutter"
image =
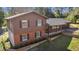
column 28, row 36
column 42, row 22
column 36, row 22
column 35, row 34
column 28, row 23
column 20, row 37
column 40, row 34
column 20, row 24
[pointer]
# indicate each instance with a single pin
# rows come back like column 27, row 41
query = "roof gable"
column 17, row 15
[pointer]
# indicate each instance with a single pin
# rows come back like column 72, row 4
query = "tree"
column 57, row 14
column 1, row 18
column 73, row 15
column 41, row 10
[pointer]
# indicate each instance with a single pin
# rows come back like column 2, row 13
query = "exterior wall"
column 31, row 36
column 11, row 37
column 31, row 17
column 10, row 32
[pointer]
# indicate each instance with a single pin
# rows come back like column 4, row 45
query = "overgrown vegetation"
column 4, row 42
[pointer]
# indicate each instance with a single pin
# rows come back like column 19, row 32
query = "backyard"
column 74, row 25
column 62, row 43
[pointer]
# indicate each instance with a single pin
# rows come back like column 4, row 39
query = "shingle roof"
column 56, row 21
column 14, row 16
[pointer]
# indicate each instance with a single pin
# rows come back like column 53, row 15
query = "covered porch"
column 57, row 25
column 57, row 29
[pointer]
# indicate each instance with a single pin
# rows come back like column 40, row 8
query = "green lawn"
column 63, row 43
column 76, row 32
column 74, row 25
column 59, row 44
column 74, row 45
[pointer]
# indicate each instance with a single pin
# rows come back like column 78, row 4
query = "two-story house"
column 25, row 28
column 29, row 27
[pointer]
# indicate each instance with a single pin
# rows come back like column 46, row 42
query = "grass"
column 63, row 43
column 76, row 32
column 59, row 44
column 74, row 45
column 74, row 25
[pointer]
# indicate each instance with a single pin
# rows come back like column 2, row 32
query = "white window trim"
column 24, row 39
column 37, row 34
column 24, row 25
column 39, row 22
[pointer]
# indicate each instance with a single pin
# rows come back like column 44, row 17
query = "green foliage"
column 57, row 14
column 1, row 47
column 4, row 42
column 73, row 15
column 1, row 18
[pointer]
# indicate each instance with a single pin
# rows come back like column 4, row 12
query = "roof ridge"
column 13, row 16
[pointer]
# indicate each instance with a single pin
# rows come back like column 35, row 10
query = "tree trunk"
column 1, row 31
column 75, row 21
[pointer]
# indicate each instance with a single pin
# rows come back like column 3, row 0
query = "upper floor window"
column 39, row 22
column 24, row 24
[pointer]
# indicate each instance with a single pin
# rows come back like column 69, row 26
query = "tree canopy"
column 1, row 17
column 73, row 15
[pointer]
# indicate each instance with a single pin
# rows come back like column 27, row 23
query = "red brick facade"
column 17, row 30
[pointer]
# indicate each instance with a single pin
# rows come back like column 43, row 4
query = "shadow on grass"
column 59, row 44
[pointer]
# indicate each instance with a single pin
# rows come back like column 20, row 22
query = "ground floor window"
column 38, row 34
column 24, row 37
column 55, row 27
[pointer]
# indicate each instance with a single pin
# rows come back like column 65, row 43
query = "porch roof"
column 57, row 21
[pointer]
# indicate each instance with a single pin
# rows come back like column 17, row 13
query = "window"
column 37, row 34
column 24, row 37
column 39, row 22
column 55, row 27
column 24, row 24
